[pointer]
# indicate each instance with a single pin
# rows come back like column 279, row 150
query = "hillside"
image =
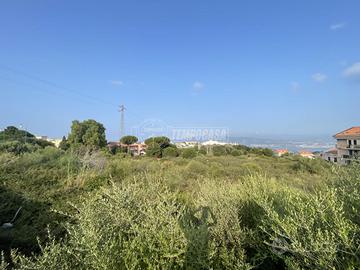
column 100, row 211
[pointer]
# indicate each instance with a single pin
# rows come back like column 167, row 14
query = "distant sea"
column 292, row 143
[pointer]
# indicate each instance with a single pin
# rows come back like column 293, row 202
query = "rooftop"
column 281, row 151
column 353, row 131
column 332, row 151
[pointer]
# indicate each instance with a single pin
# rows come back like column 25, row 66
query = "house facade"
column 307, row 154
column 330, row 155
column 281, row 152
column 348, row 145
column 135, row 149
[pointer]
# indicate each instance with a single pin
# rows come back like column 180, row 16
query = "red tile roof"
column 281, row 151
column 354, row 131
column 332, row 151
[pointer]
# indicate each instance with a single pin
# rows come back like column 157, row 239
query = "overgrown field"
column 101, row 211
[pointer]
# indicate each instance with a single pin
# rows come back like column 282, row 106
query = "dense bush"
column 170, row 152
column 209, row 212
column 154, row 150
column 17, row 147
column 219, row 150
column 188, row 153
column 13, row 140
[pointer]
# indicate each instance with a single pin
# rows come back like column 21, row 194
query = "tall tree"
column 64, row 145
column 129, row 139
column 162, row 141
column 156, row 145
column 88, row 133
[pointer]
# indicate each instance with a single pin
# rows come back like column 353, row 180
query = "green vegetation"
column 13, row 140
column 189, row 153
column 170, row 152
column 88, row 133
column 243, row 209
column 64, row 145
column 157, row 145
column 129, row 139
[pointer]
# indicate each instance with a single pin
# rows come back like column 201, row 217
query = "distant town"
column 346, row 148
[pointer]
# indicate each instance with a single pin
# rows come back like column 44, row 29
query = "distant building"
column 211, row 142
column 135, row 149
column 307, row 154
column 330, row 155
column 281, row 152
column 348, row 145
column 56, row 142
column 186, row 144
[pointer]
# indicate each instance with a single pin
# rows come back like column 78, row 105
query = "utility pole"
column 122, row 120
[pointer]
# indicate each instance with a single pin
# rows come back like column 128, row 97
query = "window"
column 349, row 142
column 335, row 159
column 329, row 159
column 355, row 142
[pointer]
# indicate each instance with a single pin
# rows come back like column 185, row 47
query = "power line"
column 55, row 85
column 66, row 89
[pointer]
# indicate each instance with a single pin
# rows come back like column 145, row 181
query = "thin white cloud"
column 353, row 71
column 337, row 26
column 198, row 86
column 319, row 77
column 295, row 87
column 116, row 82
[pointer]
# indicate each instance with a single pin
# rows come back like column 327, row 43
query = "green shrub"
column 188, row 153
column 209, row 212
column 17, row 147
column 219, row 150
column 309, row 230
column 195, row 169
column 170, row 152
column 236, row 153
column 154, row 150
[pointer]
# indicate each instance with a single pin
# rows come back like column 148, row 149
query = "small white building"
column 307, row 154
column 281, row 152
column 211, row 142
column 56, row 142
column 186, row 144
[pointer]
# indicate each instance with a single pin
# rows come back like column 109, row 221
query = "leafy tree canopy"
column 162, row 141
column 129, row 139
column 64, row 145
column 14, row 140
column 88, row 133
column 154, row 150
column 12, row 133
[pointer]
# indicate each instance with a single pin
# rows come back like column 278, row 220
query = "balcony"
column 351, row 146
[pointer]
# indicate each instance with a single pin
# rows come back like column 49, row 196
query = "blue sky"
column 255, row 67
